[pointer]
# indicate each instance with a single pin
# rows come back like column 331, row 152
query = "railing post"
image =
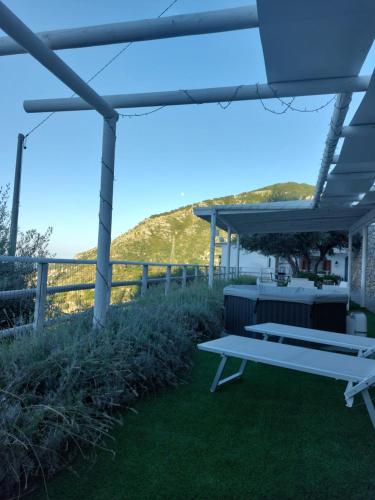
column 144, row 279
column 41, row 296
column 110, row 270
column 196, row 272
column 184, row 276
column 167, row 280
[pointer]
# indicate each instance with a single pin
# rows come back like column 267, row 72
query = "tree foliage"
column 293, row 246
column 17, row 276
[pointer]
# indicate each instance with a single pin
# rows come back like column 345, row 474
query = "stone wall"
column 370, row 269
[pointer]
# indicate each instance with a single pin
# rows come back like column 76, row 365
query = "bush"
column 62, row 388
column 320, row 278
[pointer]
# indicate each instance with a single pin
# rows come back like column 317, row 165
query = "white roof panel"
column 304, row 39
column 278, row 217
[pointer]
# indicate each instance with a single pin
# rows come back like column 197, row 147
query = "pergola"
column 310, row 48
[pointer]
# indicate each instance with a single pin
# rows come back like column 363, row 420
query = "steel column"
column 102, row 286
column 238, row 248
column 229, row 246
column 350, row 257
column 363, row 266
column 211, row 269
column 16, row 197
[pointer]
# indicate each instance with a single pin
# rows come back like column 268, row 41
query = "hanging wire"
column 97, row 73
column 289, row 105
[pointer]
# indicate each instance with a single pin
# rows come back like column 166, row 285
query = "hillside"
column 176, row 237
column 180, row 237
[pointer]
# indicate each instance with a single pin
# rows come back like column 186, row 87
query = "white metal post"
column 229, row 246
column 211, row 269
column 238, row 248
column 184, row 276
column 363, row 266
column 16, row 197
column 41, row 296
column 350, row 257
column 144, row 279
column 168, row 280
column 102, row 286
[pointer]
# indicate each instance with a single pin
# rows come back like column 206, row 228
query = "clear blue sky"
column 174, row 157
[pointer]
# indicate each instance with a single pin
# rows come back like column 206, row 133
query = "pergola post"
column 238, row 249
column 229, row 245
column 16, row 197
column 350, row 257
column 363, row 266
column 211, row 268
column 102, row 285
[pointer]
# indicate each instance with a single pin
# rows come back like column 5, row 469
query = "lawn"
column 275, row 434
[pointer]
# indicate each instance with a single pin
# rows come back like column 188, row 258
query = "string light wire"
column 97, row 73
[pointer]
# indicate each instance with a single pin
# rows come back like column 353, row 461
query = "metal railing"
column 47, row 274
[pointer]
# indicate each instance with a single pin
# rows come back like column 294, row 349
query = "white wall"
column 338, row 264
column 255, row 262
column 251, row 262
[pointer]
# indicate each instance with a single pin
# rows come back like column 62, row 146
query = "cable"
column 288, row 105
column 97, row 73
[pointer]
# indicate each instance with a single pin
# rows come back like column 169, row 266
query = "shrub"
column 320, row 278
column 62, row 388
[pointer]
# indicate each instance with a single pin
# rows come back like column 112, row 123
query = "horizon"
column 176, row 157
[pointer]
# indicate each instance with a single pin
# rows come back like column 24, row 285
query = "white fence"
column 43, row 273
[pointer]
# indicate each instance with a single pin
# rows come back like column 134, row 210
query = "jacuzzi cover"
column 286, row 294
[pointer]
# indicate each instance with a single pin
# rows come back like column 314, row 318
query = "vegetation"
column 274, row 435
column 30, row 243
column 319, row 278
column 62, row 388
column 294, row 246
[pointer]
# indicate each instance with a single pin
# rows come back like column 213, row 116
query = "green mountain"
column 180, row 237
column 176, row 237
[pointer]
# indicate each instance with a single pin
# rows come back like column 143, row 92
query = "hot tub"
column 310, row 308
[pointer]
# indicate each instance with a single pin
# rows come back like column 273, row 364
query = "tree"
column 17, row 276
column 293, row 246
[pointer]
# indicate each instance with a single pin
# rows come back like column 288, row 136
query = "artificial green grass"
column 276, row 434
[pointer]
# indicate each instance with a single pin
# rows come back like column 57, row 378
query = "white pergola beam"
column 198, row 23
column 16, row 29
column 368, row 218
column 335, row 129
column 208, row 95
column 367, row 130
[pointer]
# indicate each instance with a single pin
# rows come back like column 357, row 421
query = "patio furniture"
column 363, row 346
column 359, row 372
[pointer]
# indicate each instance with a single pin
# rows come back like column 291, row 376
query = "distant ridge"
column 178, row 236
